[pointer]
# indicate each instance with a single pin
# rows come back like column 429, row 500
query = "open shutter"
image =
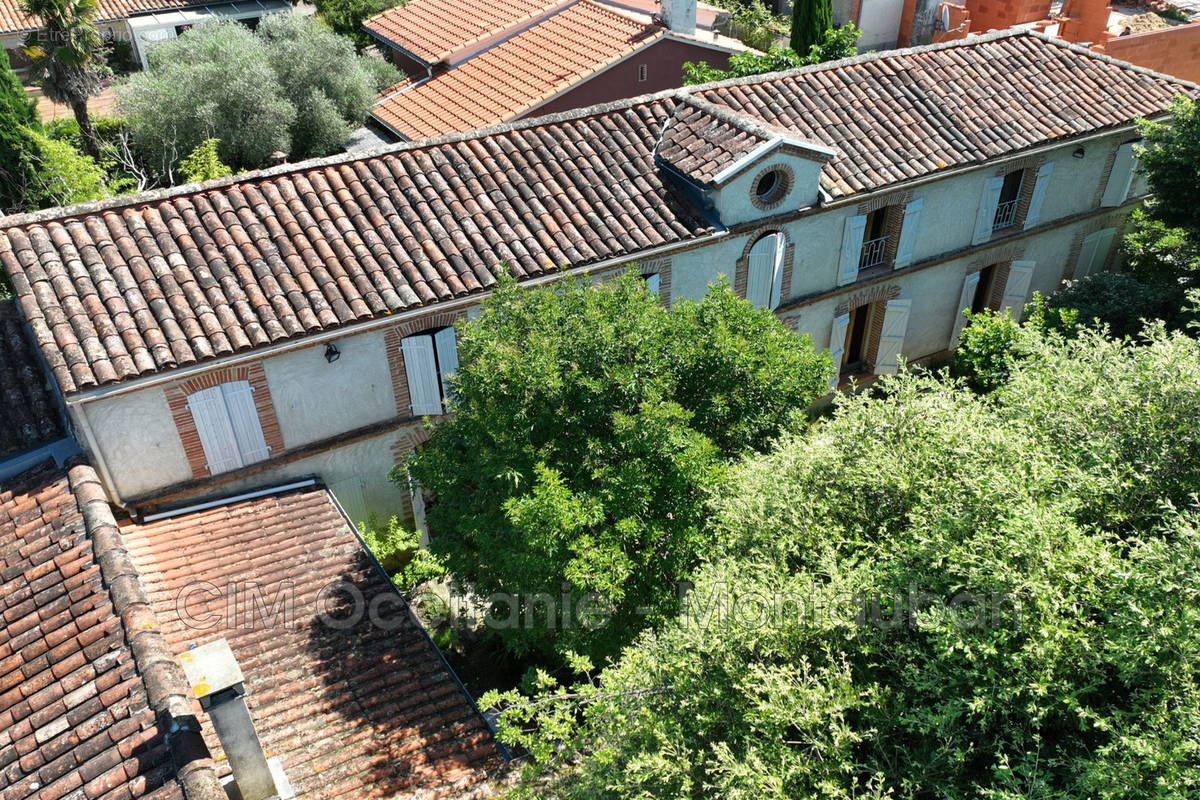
column 852, row 243
column 1121, row 177
column 970, row 284
column 653, row 282
column 760, row 275
column 891, row 340
column 1094, row 252
column 908, row 232
column 1016, row 291
column 446, row 342
column 216, row 434
column 985, row 221
column 422, row 373
column 243, row 418
column 1039, row 194
column 777, row 272
column 837, row 345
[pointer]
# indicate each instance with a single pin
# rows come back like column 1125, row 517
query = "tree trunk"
column 86, row 131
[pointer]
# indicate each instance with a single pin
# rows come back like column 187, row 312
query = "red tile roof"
column 27, row 403
column 516, row 75
column 433, row 29
column 139, row 285
column 357, row 713
column 14, row 20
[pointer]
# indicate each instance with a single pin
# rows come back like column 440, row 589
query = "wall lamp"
column 1079, row 152
column 332, row 354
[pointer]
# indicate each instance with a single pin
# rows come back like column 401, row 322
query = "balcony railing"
column 1006, row 215
column 874, row 253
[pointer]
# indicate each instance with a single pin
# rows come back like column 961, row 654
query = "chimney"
column 680, row 15
column 216, row 680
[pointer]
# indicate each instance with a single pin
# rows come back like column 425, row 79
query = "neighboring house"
column 298, row 321
column 98, row 620
column 139, row 22
column 483, row 62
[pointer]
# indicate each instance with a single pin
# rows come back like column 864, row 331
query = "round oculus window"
column 770, row 187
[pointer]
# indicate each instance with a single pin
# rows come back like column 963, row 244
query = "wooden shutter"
column 1121, row 177
column 1016, row 291
column 852, row 244
column 243, row 418
column 421, row 370
column 760, row 274
column 1041, row 183
column 216, row 433
column 970, row 284
column 891, row 340
column 908, row 232
column 777, row 272
column 1094, row 252
column 446, row 342
column 653, row 282
column 837, row 345
column 985, row 221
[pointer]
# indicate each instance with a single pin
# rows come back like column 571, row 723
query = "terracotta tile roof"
column 78, row 702
column 135, row 286
column 357, row 713
column 14, row 20
column 433, row 29
column 511, row 78
column 27, row 403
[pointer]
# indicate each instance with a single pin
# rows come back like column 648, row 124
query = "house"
column 299, row 321
column 484, row 62
column 102, row 619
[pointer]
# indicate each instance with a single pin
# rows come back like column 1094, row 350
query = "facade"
column 299, row 321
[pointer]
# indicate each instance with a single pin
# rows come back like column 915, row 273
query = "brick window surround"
column 1028, row 168
column 395, row 355
column 1116, row 221
column 741, row 270
column 662, row 268
column 893, row 207
column 876, row 297
column 785, row 179
column 177, row 397
column 1002, row 260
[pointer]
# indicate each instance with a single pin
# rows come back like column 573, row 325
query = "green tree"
column 346, row 16
column 588, row 423
column 811, row 22
column 977, row 597
column 15, row 104
column 68, row 53
column 203, row 163
column 835, row 44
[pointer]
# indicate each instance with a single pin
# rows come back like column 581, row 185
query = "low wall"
column 1174, row 51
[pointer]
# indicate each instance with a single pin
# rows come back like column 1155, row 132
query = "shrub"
column 203, row 164
column 836, row 44
column 398, row 550
column 1119, row 302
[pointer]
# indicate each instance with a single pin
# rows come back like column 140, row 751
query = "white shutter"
column 852, row 244
column 421, row 371
column 1016, row 291
column 908, row 232
column 653, row 282
column 777, row 273
column 760, row 270
column 243, row 417
column 216, row 434
column 1119, row 180
column 446, row 342
column 1094, row 252
column 351, row 496
column 1041, row 183
column 891, row 340
column 985, row 221
column 837, row 345
column 417, row 496
column 965, row 300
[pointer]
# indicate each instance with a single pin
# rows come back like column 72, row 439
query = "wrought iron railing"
column 1006, row 215
column 874, row 253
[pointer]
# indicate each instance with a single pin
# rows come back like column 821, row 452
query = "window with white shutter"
column 1016, row 291
column 1041, row 184
column 852, row 245
column 965, row 301
column 430, row 359
column 891, row 340
column 989, row 202
column 1116, row 191
column 764, row 275
column 908, row 233
column 227, row 422
column 837, row 345
column 1093, row 253
column 653, row 282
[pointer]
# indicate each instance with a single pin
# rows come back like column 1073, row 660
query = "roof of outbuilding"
column 139, row 285
column 27, row 403
column 433, row 29
column 13, row 18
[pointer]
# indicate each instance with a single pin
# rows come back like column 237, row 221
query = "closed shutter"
column 216, row 433
column 653, row 282
column 243, row 418
column 760, row 275
column 421, row 371
column 852, row 243
column 1039, row 194
column 1121, row 177
column 837, row 345
column 1016, row 291
column 985, row 221
column 446, row 342
column 908, row 232
column 891, row 340
column 970, row 284
column 777, row 272
column 1094, row 252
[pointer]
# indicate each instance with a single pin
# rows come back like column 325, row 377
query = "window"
column 854, row 359
column 983, row 289
column 764, row 270
column 653, row 282
column 770, row 187
column 1120, row 178
column 430, row 358
column 875, row 239
column 227, row 422
column 643, row 72
column 1010, row 194
column 1093, row 253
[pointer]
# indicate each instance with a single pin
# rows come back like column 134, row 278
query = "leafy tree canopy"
column 588, row 423
column 835, row 44
column 346, row 16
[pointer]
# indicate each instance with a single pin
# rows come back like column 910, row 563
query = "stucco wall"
column 1173, row 51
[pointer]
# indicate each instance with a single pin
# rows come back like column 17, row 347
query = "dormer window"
column 1010, row 195
column 771, row 187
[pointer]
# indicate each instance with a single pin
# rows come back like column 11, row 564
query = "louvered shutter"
column 1094, row 252
column 216, row 434
column 653, row 282
column 1016, row 291
column 446, row 342
column 970, row 284
column 1040, row 185
column 852, row 244
column 837, row 345
column 243, row 418
column 777, row 273
column 988, row 201
column 1121, row 177
column 760, row 270
column 421, row 371
column 908, row 232
column 891, row 340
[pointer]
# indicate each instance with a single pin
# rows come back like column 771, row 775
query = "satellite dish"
column 945, row 20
